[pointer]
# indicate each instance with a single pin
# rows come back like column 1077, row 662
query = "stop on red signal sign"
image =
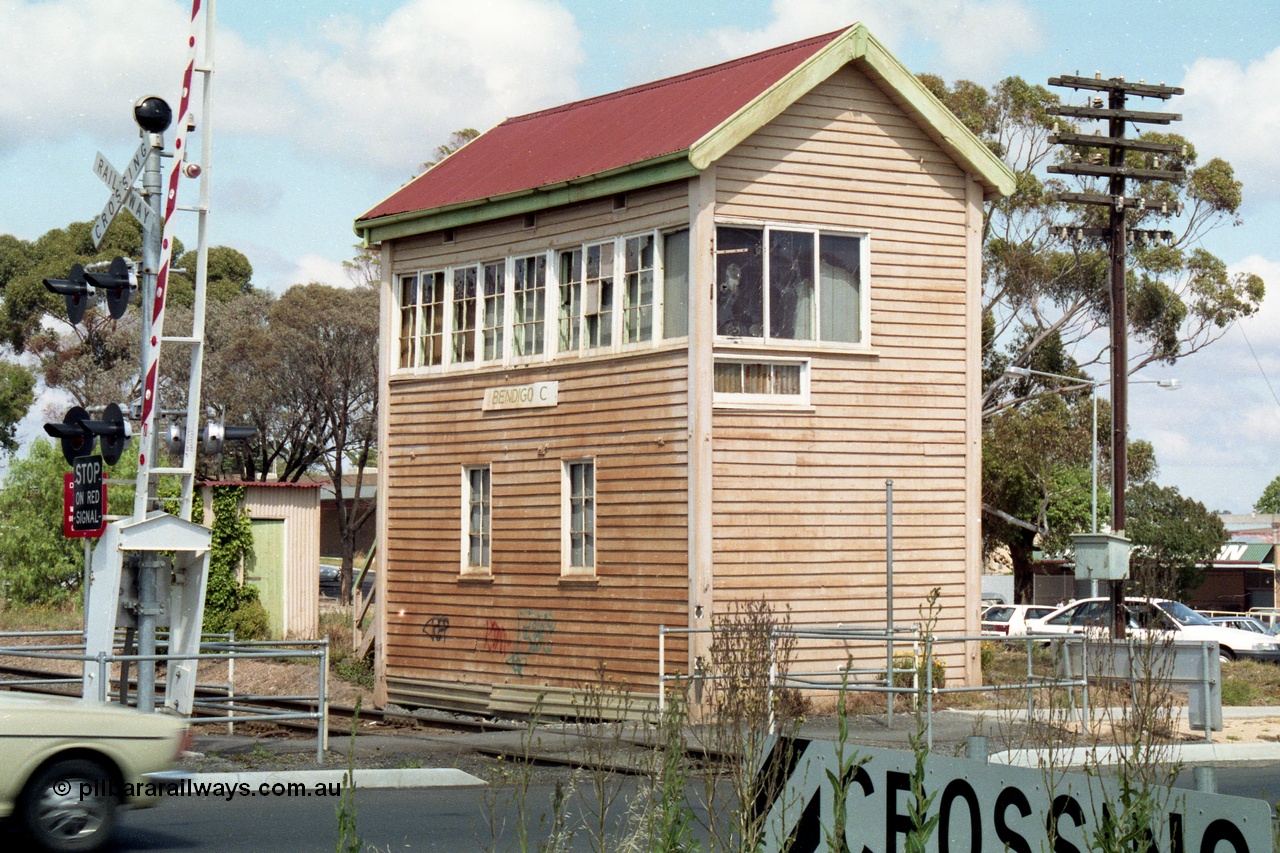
column 84, row 499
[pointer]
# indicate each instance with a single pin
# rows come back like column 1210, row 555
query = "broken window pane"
column 464, row 315
column 495, row 291
column 791, row 303
column 408, row 316
column 597, row 300
column 570, row 299
column 638, row 311
column 739, row 282
column 431, row 327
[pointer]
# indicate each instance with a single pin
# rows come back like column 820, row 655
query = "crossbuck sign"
column 981, row 807
column 122, row 194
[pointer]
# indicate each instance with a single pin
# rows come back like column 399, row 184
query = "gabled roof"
column 657, row 132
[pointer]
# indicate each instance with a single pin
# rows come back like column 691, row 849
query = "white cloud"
column 1231, row 111
column 316, row 268
column 970, row 38
column 1218, row 438
column 387, row 93
column 252, row 197
column 381, row 94
column 79, row 65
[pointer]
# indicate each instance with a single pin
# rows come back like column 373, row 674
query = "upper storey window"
column 422, row 320
column 604, row 296
column 784, row 284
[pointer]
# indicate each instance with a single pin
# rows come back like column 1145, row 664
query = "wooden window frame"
column 737, row 400
column 766, row 228
column 412, row 357
column 568, row 570
column 468, row 568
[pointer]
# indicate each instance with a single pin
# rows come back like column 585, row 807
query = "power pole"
column 1087, row 162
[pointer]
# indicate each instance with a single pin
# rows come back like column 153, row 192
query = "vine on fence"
column 230, row 604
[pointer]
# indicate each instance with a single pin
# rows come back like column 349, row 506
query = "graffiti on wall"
column 495, row 640
column 436, row 628
column 532, row 636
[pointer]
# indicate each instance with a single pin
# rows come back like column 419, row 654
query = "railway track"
column 340, row 716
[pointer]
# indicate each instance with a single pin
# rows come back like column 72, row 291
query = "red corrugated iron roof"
column 600, row 134
column 259, row 484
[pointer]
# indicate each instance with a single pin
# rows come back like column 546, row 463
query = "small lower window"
column 768, row 383
column 579, row 519
column 477, row 523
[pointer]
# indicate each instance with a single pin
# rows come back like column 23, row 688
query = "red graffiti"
column 496, row 639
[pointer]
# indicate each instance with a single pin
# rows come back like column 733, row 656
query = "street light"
column 1093, row 384
column 1167, row 384
column 1026, row 372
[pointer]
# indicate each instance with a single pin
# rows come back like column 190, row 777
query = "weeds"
column 601, row 726
column 510, row 791
column 751, row 651
column 921, row 824
column 847, row 766
column 349, row 840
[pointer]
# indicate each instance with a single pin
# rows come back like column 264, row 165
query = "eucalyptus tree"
column 1046, row 306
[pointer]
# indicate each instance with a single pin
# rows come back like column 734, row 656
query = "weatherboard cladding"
column 600, row 134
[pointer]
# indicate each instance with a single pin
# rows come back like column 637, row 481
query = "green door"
column 265, row 569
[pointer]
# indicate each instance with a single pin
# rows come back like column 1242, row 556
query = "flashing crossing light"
column 75, row 290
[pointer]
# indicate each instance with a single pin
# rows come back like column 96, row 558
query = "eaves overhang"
column 660, row 170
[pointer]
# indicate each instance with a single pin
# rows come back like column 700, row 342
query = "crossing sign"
column 122, row 194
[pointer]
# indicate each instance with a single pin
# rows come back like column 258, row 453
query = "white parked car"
column 1010, row 620
column 1158, row 617
column 68, row 764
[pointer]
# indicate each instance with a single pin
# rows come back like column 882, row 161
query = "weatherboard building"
column 656, row 352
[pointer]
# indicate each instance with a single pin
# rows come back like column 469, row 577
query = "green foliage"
column 847, row 764
column 227, row 276
column 228, row 603
column 1237, row 693
column 920, row 824
column 1269, row 501
column 349, row 840
column 38, row 565
column 17, row 393
column 354, row 671
column 1174, row 538
column 24, row 265
column 458, row 139
column 671, row 830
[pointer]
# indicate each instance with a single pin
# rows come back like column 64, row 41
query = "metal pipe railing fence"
column 902, row 673
column 227, row 707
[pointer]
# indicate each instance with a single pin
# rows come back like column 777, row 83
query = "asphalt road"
column 433, row 819
column 449, row 820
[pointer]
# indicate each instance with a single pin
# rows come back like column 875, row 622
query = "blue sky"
column 322, row 108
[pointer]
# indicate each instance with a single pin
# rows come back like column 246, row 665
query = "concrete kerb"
column 371, row 777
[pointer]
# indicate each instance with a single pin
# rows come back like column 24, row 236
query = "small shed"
column 286, row 551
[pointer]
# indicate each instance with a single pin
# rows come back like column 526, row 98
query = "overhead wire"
column 1258, row 361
